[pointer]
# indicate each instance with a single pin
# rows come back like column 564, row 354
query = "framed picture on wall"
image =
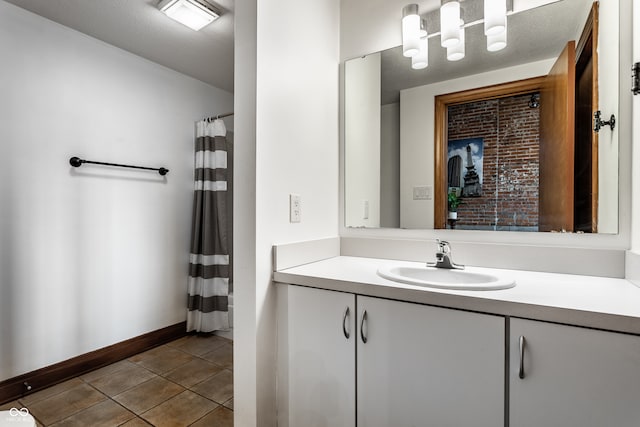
column 465, row 161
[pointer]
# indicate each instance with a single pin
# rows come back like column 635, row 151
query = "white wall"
column 390, row 165
column 93, row 256
column 362, row 117
column 417, row 134
column 287, row 78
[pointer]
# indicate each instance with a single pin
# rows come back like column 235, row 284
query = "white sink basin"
column 446, row 279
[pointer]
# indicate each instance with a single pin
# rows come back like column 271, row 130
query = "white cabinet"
column 421, row 366
column 428, row 366
column 316, row 358
column 573, row 377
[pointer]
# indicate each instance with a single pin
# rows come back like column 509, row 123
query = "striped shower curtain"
column 209, row 266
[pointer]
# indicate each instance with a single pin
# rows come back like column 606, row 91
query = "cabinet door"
column 429, row 367
column 316, row 357
column 573, row 377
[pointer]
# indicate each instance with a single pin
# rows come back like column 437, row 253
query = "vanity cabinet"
column 572, row 377
column 428, row 366
column 414, row 365
column 316, row 357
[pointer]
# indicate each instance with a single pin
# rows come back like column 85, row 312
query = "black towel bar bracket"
column 76, row 162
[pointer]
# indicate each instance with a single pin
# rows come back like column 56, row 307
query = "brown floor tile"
column 136, row 422
column 193, row 372
column 104, row 371
column 148, row 354
column 65, row 404
column 162, row 359
column 218, row 388
column 9, row 405
column 122, row 380
column 179, row 411
column 104, row 414
column 219, row 417
column 222, row 356
column 48, row 392
column 199, row 345
column 145, row 396
column 229, row 404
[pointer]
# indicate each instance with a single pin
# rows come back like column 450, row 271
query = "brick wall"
column 510, row 129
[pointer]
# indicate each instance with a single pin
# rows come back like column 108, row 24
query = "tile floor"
column 187, row 382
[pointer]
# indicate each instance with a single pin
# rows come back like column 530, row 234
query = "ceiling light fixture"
column 497, row 42
column 495, row 17
column 421, row 59
column 192, row 13
column 415, row 38
column 456, row 52
column 410, row 30
column 449, row 23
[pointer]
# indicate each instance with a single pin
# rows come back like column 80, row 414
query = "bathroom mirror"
column 393, row 146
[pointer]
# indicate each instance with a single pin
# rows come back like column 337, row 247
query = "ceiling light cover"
column 497, row 42
column 421, row 59
column 450, row 24
column 456, row 53
column 191, row 13
column 410, row 30
column 495, row 17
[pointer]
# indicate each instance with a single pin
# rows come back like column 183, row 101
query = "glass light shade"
column 421, row 60
column 497, row 42
column 410, row 30
column 495, row 17
column 456, row 53
column 450, row 24
column 189, row 12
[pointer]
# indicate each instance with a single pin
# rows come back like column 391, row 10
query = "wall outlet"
column 295, row 208
column 423, row 192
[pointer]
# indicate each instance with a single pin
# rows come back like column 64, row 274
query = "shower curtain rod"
column 219, row 116
column 76, row 162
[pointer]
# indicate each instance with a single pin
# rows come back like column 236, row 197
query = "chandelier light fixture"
column 415, row 38
column 421, row 59
column 449, row 23
column 456, row 52
column 410, row 30
column 495, row 17
column 497, row 42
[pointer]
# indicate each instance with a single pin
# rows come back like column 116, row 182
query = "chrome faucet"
column 443, row 257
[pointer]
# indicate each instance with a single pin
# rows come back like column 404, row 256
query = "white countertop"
column 596, row 302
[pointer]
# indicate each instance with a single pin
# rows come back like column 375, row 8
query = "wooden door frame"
column 442, row 102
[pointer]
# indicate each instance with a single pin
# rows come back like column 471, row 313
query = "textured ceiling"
column 140, row 28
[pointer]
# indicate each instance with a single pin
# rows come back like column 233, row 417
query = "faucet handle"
column 443, row 246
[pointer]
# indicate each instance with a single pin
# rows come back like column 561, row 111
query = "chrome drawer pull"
column 522, row 344
column 362, row 334
column 345, row 331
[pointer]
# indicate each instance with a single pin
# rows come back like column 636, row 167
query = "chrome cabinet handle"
column 362, row 322
column 521, row 345
column 345, row 331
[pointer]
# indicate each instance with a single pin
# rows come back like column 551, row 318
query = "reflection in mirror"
column 397, row 170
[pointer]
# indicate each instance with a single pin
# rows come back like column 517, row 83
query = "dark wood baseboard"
column 14, row 388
